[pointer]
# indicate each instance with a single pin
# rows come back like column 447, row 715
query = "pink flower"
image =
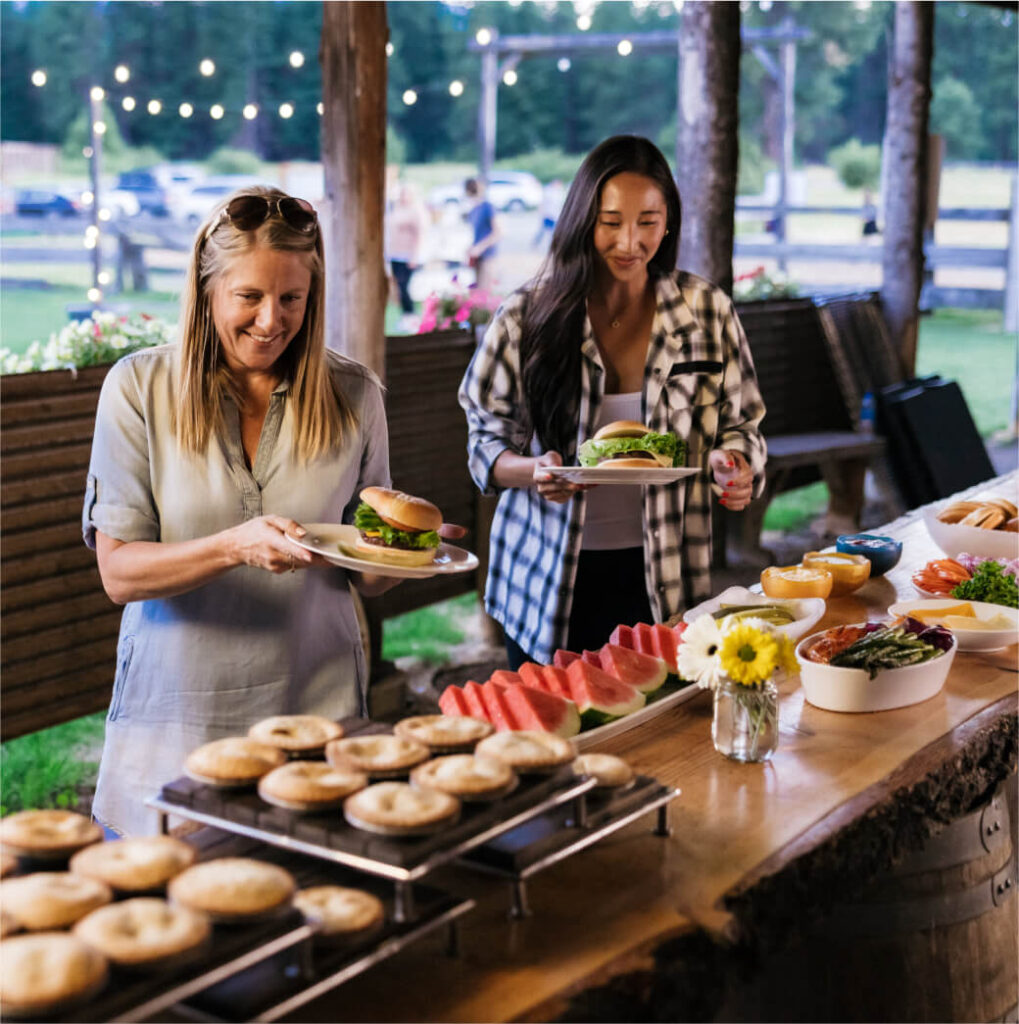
column 463, row 313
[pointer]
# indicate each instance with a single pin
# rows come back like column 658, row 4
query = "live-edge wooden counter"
column 642, row 927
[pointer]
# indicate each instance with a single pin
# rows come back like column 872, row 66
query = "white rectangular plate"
column 597, row 475
column 589, row 738
column 335, row 542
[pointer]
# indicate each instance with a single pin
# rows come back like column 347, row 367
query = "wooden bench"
column 811, row 423
column 60, row 629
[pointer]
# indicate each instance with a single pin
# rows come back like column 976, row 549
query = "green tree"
column 955, row 114
column 858, row 166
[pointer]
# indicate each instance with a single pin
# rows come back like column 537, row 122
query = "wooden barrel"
column 933, row 940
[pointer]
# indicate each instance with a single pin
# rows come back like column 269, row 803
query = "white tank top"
column 613, row 517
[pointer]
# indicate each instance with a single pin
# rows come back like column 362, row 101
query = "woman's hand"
column 554, row 489
column 262, row 543
column 734, row 478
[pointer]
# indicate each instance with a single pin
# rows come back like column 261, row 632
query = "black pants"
column 402, row 272
column 609, row 590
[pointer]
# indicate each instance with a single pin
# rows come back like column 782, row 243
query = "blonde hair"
column 203, row 378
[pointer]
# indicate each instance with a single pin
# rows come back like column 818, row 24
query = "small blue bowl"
column 882, row 552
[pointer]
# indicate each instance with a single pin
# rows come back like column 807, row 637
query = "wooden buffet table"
column 644, row 927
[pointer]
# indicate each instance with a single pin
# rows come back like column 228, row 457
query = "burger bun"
column 402, row 511
column 620, row 428
column 404, row 557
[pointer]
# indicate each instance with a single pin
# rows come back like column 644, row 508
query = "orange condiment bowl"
column 849, row 572
column 794, row 581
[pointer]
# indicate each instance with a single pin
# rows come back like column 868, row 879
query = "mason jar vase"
column 745, row 722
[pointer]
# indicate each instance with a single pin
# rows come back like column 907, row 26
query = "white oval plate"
column 808, row 610
column 970, row 639
column 954, row 538
column 597, row 475
column 335, row 542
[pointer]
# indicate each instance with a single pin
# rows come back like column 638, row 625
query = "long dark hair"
column 553, row 319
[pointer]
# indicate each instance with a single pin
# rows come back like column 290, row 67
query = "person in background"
column 486, row 232
column 608, row 330
column 869, row 214
column 206, row 455
column 405, row 229
column 552, row 197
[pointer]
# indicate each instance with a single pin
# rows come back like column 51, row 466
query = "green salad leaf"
column 366, row 518
column 592, row 452
column 990, row 583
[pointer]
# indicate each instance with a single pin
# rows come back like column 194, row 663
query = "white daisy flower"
column 697, row 659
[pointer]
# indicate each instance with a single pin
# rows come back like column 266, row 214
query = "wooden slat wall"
column 59, row 628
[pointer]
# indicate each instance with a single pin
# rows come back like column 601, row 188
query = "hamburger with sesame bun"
column 396, row 528
column 627, row 444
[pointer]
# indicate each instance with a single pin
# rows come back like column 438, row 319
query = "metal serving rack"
column 519, row 854
column 268, row 966
column 327, row 835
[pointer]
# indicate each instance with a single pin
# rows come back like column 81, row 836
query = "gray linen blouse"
column 248, row 644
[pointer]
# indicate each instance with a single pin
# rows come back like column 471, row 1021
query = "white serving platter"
column 596, row 475
column 591, row 737
column 335, row 543
column 808, row 610
column 954, row 538
column 969, row 639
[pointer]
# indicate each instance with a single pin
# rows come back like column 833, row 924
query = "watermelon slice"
column 454, row 701
column 504, row 677
column 622, row 636
column 535, row 709
column 600, row 697
column 498, row 712
column 665, row 645
column 475, row 701
column 657, row 640
column 642, row 671
column 545, row 677
column 563, row 659
column 592, row 658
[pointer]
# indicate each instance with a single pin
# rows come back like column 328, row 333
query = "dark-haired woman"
column 608, row 330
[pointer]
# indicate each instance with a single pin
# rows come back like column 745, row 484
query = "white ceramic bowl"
column 953, row 538
column 852, row 689
column 969, row 639
column 807, row 610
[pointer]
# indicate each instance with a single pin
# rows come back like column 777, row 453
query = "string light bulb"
column 250, row 111
column 389, row 49
column 320, row 107
column 410, row 97
column 216, row 112
column 122, row 73
column 584, row 22
column 128, row 103
column 297, row 59
column 510, row 77
column 286, row 110
column 207, row 67
column 563, row 64
column 94, row 295
column 38, row 78
column 185, row 110
column 154, row 107
column 456, row 87
column 104, row 214
column 97, row 93
column 99, row 127
column 483, row 36
column 103, row 277
column 625, row 48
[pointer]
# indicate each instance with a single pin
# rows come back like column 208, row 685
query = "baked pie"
column 309, row 785
column 234, row 761
column 338, row 912
column 144, row 931
column 609, row 771
column 444, row 733
column 467, row 776
column 379, row 757
column 527, row 751
column 296, row 734
column 45, row 972
column 47, row 834
column 232, row 888
column 398, row 809
column 134, row 865
column 51, row 899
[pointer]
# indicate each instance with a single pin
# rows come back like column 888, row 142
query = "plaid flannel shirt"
column 699, row 383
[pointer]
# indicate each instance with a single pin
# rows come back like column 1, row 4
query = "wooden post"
column 353, row 57
column 706, row 142
column 488, row 110
column 788, row 122
column 95, row 159
column 905, row 157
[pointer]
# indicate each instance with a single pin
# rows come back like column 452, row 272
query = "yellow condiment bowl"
column 849, row 572
column 796, row 581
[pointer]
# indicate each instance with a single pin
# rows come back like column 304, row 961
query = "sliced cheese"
column 938, row 616
column 964, row 622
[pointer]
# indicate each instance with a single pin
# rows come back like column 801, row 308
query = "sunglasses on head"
column 248, row 212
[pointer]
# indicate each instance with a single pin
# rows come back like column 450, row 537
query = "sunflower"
column 697, row 658
column 748, row 655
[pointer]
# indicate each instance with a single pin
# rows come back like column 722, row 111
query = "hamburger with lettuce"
column 627, row 444
column 396, row 528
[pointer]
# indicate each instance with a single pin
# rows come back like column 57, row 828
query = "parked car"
column 145, row 186
column 44, row 202
column 196, row 204
column 507, row 190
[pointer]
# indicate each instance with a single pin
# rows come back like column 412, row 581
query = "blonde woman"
column 205, row 454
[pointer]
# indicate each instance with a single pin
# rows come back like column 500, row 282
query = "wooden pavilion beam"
column 906, row 168
column 353, row 57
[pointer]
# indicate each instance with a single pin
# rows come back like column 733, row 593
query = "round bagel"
column 620, row 428
column 402, row 511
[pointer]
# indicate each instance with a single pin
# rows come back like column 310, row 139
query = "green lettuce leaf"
column 366, row 518
column 592, row 452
